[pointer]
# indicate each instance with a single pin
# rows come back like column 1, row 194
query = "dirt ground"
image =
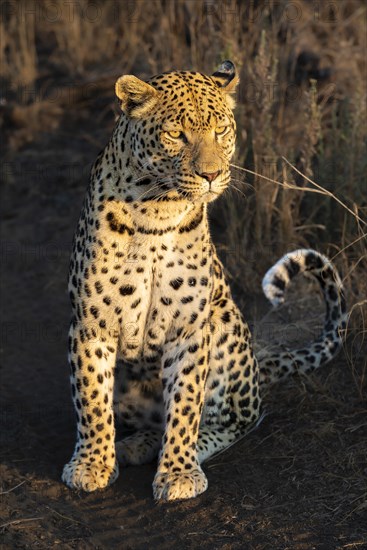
column 298, row 482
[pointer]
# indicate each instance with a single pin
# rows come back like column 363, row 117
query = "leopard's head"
column 179, row 132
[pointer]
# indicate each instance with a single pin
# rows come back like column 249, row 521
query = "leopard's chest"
column 163, row 294
column 180, row 298
column 147, row 288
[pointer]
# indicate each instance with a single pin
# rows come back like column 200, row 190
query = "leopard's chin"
column 210, row 196
column 201, row 195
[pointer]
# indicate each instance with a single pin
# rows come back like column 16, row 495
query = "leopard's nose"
column 209, row 176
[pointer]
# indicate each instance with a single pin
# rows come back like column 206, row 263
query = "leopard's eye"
column 220, row 130
column 175, row 134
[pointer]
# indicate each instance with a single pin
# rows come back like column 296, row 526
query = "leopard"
column 157, row 344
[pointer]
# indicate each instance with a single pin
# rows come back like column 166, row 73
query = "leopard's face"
column 181, row 133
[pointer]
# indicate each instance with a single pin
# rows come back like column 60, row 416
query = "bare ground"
column 298, row 482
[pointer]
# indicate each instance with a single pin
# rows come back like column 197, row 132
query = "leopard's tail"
column 275, row 366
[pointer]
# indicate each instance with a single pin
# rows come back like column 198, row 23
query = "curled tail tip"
column 272, row 292
column 278, row 277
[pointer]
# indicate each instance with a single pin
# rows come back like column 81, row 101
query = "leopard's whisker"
column 239, row 191
column 158, row 184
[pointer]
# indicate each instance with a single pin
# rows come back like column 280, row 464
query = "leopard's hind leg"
column 139, row 448
column 138, row 406
column 232, row 401
column 213, row 440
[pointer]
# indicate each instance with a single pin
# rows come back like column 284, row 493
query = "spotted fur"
column 156, row 339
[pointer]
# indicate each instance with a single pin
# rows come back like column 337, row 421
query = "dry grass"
column 301, row 110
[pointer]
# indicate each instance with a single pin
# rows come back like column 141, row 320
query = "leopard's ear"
column 226, row 78
column 137, row 97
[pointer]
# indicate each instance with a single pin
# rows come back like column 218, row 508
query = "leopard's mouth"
column 203, row 191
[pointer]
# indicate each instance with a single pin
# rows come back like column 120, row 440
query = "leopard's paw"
column 88, row 476
column 179, row 485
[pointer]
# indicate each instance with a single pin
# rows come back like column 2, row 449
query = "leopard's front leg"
column 92, row 360
column 185, row 369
